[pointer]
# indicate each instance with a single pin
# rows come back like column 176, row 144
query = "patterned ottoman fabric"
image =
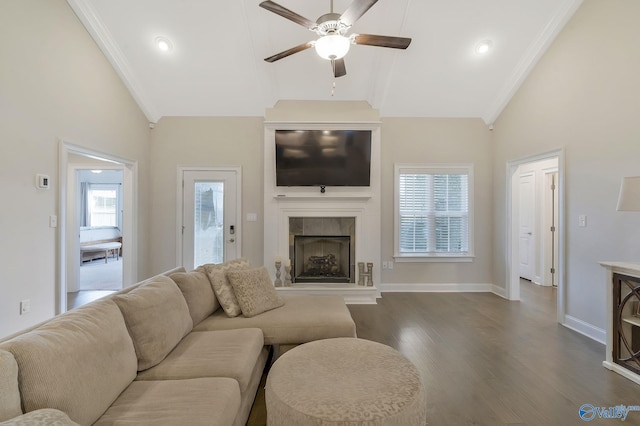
column 344, row 381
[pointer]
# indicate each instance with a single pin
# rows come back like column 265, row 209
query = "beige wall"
column 584, row 96
column 209, row 142
column 425, row 140
column 195, row 141
column 54, row 84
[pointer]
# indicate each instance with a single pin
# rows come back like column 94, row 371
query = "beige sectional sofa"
column 161, row 352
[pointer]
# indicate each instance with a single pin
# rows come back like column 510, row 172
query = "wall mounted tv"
column 323, row 157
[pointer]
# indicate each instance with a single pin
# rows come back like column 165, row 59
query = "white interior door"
column 210, row 209
column 526, row 225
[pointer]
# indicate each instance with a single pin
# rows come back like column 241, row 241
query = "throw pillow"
column 9, row 393
column 197, row 292
column 225, row 294
column 254, row 290
column 157, row 317
column 221, row 287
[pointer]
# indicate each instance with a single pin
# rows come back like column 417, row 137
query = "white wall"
column 54, row 84
column 584, row 96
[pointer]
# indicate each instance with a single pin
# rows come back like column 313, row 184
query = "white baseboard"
column 438, row 288
column 499, row 291
column 586, row 329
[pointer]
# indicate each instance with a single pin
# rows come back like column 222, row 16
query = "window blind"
column 434, row 212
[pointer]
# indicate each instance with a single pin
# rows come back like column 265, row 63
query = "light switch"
column 252, row 217
column 53, row 221
column 582, row 221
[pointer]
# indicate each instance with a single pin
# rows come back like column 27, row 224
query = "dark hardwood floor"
column 487, row 361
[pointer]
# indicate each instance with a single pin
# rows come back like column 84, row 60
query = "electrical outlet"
column 390, row 264
column 25, row 306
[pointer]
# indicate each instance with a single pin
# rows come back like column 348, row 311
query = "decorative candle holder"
column 365, row 277
column 278, row 281
column 287, row 275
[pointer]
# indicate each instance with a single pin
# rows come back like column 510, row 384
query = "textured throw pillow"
column 225, row 294
column 221, row 287
column 157, row 317
column 9, row 393
column 254, row 290
column 197, row 292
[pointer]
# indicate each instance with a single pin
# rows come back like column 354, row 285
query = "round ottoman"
column 344, row 381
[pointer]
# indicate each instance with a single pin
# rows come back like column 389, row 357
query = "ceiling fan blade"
column 339, row 70
column 356, row 10
column 382, row 41
column 286, row 13
column 289, row 52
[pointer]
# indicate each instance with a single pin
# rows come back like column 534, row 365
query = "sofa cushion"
column 254, row 290
column 42, row 417
column 197, row 292
column 157, row 317
column 78, row 362
column 9, row 393
column 201, row 401
column 316, row 317
column 231, row 353
column 221, row 287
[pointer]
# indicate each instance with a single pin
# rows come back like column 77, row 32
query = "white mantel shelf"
column 625, row 268
column 321, row 198
column 352, row 294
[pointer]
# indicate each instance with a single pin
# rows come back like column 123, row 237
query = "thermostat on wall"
column 42, row 181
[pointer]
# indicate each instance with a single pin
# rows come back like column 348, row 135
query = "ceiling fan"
column 333, row 43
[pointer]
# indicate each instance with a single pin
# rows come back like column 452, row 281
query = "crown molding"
column 103, row 38
column 531, row 57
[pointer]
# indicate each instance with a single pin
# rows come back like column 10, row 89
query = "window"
column 100, row 205
column 434, row 212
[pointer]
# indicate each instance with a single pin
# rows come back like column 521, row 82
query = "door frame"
column 73, row 221
column 129, row 216
column 512, row 248
column 180, row 199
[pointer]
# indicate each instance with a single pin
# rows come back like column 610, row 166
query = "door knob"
column 232, row 240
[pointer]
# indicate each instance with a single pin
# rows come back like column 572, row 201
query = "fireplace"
column 322, row 258
column 322, row 249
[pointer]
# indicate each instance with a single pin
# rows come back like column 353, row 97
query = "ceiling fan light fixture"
column 332, row 46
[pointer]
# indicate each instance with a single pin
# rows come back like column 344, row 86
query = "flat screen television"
column 323, row 157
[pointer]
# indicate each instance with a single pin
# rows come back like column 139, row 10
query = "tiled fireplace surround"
column 334, row 212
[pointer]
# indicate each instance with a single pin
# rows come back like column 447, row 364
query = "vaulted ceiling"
column 216, row 64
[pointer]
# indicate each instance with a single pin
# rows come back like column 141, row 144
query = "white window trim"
column 426, row 167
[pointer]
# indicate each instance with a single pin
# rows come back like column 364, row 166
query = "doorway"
column 118, row 211
column 209, row 215
column 535, row 224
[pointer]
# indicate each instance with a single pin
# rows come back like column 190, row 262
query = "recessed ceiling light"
column 163, row 44
column 483, row 47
